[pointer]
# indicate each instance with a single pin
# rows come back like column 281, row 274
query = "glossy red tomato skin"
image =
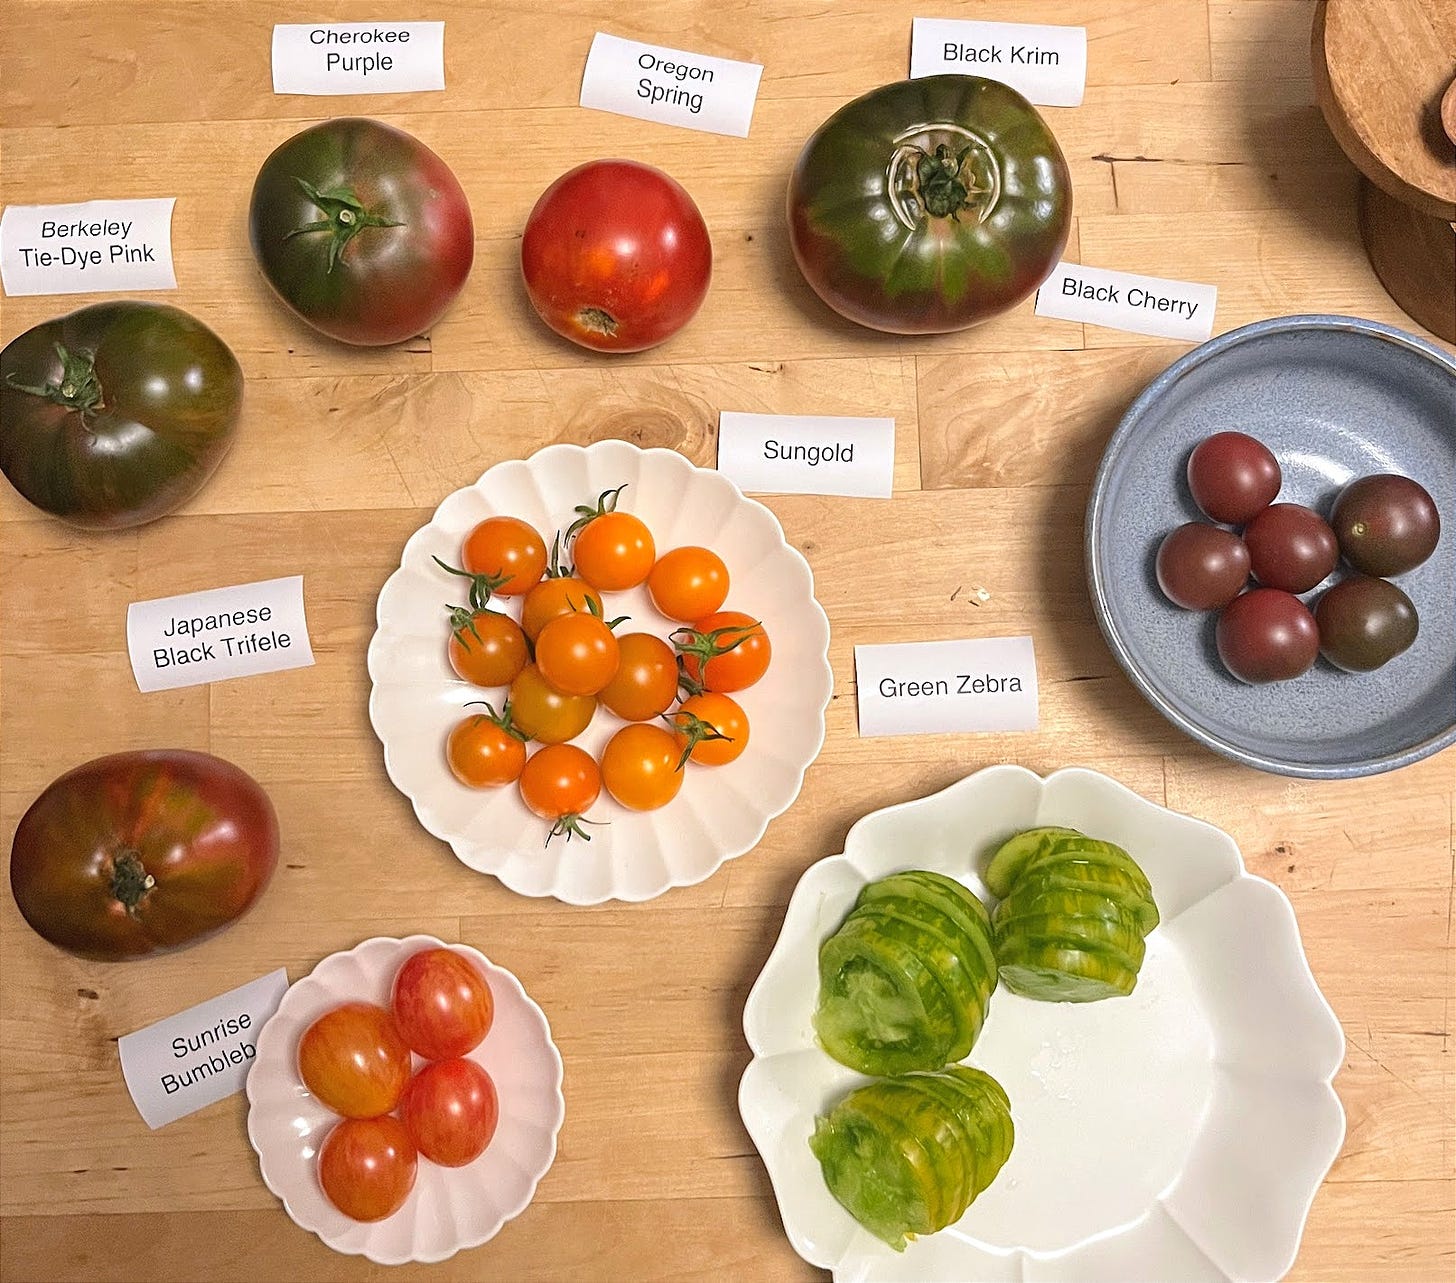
column 1232, row 477
column 367, row 1167
column 389, row 283
column 615, row 256
column 1266, row 635
column 450, row 1110
column 442, row 1003
column 1201, row 567
column 354, row 1060
column 1290, row 547
column 1387, row 524
column 202, row 829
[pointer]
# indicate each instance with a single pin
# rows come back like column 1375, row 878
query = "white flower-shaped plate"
column 720, row 812
column 1177, row 1135
column 449, row 1208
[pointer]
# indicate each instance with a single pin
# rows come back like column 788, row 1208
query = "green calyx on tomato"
column 344, row 218
column 701, row 647
column 481, row 586
column 929, row 205
column 130, row 880
column 586, row 513
column 694, row 731
column 77, row 388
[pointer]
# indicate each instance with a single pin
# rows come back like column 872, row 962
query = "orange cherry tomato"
column 577, row 653
column 646, row 680
column 485, row 750
column 367, row 1167
column 711, row 729
column 355, row 1060
column 560, row 784
column 509, row 552
column 726, row 651
column 613, row 550
column 554, row 597
column 486, row 647
column 544, row 713
column 688, row 583
column 640, row 766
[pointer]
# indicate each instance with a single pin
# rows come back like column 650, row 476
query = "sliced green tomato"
column 1062, row 972
column 1104, row 892
column 1086, row 856
column 1005, row 866
column 905, row 1155
column 1082, row 930
column 951, row 953
column 955, row 901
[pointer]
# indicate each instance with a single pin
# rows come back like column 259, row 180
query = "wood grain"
column 1199, row 154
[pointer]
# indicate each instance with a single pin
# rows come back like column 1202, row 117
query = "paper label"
column 807, row 454
column 670, row 86
column 913, row 688
column 1126, row 301
column 358, row 57
column 95, row 247
column 1046, row 64
column 186, row 1062
column 223, row 632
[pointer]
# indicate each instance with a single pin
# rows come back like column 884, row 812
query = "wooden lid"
column 1382, row 69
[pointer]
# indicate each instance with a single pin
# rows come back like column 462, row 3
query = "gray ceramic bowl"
column 1335, row 398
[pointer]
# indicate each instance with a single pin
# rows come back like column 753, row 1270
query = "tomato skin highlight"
column 450, row 1110
column 442, row 1004
column 577, row 653
column 645, row 683
column 367, row 1167
column 201, row 829
column 688, row 583
column 640, row 767
column 354, row 1060
column 387, row 283
column 615, row 256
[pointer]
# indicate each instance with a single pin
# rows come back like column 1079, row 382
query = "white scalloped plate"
column 449, row 1208
column 1178, row 1134
column 721, row 812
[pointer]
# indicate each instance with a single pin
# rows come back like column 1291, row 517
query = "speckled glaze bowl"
column 1334, row 397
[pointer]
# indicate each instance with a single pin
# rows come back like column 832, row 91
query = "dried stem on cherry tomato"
column 696, row 729
column 606, row 502
column 571, row 826
column 703, row 647
column 502, row 719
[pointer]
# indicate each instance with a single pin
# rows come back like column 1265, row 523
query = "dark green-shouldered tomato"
column 116, row 414
column 143, row 852
column 929, row 205
column 362, row 230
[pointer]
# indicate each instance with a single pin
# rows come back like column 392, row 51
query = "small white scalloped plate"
column 449, row 1208
column 721, row 812
column 1178, row 1134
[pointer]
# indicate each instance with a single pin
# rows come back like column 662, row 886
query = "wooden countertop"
column 1197, row 155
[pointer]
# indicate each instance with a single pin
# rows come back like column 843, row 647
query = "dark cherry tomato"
column 139, row 853
column 1202, row 567
column 354, row 1060
column 450, row 1111
column 442, row 1003
column 367, row 1167
column 361, row 230
column 1386, row 524
column 1364, row 623
column 1266, row 635
column 1290, row 547
column 1232, row 477
column 645, row 683
column 615, row 256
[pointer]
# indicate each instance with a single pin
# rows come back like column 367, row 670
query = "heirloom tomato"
column 615, row 256
column 450, row 1111
column 361, row 230
column 929, row 205
column 354, row 1060
column 442, row 1003
column 116, row 414
column 727, row 651
column 139, row 853
column 367, row 1167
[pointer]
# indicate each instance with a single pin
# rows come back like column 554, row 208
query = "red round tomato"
column 1232, row 477
column 641, row 766
column 1266, row 635
column 1290, row 547
column 688, row 583
column 354, row 1060
column 645, row 683
column 442, row 1003
column 615, row 256
column 1201, row 567
column 367, row 1167
column 711, row 729
column 727, row 651
column 362, row 230
column 544, row 713
column 450, row 1111
column 139, row 853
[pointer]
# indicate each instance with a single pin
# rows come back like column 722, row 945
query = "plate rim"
column 1015, row 770
column 1096, row 580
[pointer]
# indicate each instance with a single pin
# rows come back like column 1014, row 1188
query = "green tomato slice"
column 1006, row 865
column 1064, row 971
